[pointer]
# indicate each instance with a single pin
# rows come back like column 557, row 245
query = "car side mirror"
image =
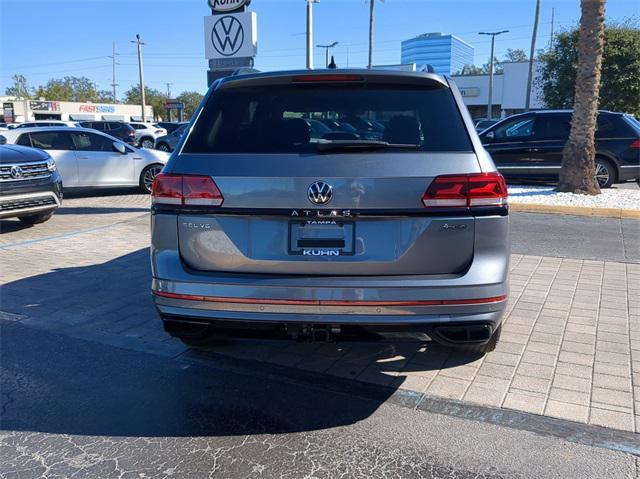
column 119, row 147
column 489, row 136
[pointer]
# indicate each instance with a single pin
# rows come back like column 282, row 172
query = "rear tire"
column 605, row 173
column 147, row 176
column 164, row 147
column 35, row 219
column 146, row 142
column 483, row 348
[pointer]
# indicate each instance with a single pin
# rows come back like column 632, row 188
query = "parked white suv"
column 146, row 133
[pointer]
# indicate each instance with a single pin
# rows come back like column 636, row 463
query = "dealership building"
column 509, row 91
column 18, row 111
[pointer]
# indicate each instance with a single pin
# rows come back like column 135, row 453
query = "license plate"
column 321, row 238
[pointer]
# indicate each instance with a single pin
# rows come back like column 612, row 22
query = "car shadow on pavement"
column 73, row 362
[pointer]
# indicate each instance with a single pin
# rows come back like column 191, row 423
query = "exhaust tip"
column 476, row 333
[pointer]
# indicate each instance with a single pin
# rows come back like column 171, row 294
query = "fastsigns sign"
column 223, row 6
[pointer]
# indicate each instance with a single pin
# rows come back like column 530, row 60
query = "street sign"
column 174, row 104
column 223, row 6
column 231, row 36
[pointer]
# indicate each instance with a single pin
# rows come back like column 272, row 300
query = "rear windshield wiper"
column 331, row 145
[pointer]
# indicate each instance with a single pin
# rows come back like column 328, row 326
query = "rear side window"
column 292, row 119
column 553, row 127
column 52, row 140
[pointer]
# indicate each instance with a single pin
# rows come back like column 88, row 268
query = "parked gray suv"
column 259, row 226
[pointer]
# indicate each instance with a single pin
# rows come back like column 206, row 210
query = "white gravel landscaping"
column 546, row 195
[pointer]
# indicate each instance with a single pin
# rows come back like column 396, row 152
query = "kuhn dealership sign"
column 227, row 5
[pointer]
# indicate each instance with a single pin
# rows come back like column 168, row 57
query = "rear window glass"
column 293, row 119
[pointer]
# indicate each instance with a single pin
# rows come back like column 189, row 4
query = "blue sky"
column 54, row 38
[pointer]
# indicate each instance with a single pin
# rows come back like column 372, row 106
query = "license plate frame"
column 322, row 238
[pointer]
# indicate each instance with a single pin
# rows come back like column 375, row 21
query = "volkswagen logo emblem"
column 320, row 193
column 227, row 36
column 16, row 172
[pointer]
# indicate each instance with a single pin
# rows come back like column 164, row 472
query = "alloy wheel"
column 149, row 176
column 147, row 143
column 602, row 174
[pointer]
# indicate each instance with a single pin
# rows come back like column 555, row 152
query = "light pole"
column 527, row 103
column 326, row 52
column 493, row 41
column 141, row 71
column 310, row 33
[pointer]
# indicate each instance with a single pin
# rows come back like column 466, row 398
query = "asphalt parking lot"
column 570, row 348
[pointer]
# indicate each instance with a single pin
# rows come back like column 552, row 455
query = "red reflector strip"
column 329, row 302
column 635, row 145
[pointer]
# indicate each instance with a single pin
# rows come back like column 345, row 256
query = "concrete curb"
column 575, row 210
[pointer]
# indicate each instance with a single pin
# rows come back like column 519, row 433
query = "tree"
column 19, row 89
column 153, row 97
column 512, row 55
column 470, row 70
column 620, row 90
column 577, row 174
column 70, row 88
column 191, row 100
column 515, row 55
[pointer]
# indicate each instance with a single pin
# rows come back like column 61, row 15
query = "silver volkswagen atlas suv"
column 258, row 226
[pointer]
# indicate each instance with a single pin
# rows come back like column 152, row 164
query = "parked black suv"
column 30, row 185
column 529, row 145
column 120, row 130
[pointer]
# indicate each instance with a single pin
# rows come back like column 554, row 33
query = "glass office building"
column 447, row 54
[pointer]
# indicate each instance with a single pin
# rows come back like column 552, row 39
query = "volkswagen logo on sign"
column 16, row 172
column 320, row 193
column 227, row 36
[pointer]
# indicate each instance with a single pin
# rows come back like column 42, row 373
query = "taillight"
column 185, row 191
column 635, row 145
column 482, row 189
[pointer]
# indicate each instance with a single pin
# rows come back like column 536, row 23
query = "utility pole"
column 140, row 69
column 310, row 33
column 168, row 89
column 114, row 63
column 531, row 55
column 371, row 4
column 326, row 51
column 493, row 41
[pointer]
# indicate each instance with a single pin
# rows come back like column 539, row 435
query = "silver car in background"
column 87, row 158
column 257, row 225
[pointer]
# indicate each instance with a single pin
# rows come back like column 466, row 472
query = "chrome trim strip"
column 35, row 209
column 630, row 166
column 39, row 177
column 26, row 163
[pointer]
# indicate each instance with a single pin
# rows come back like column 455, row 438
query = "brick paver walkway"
column 570, row 346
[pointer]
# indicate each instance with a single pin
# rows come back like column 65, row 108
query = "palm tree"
column 577, row 174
